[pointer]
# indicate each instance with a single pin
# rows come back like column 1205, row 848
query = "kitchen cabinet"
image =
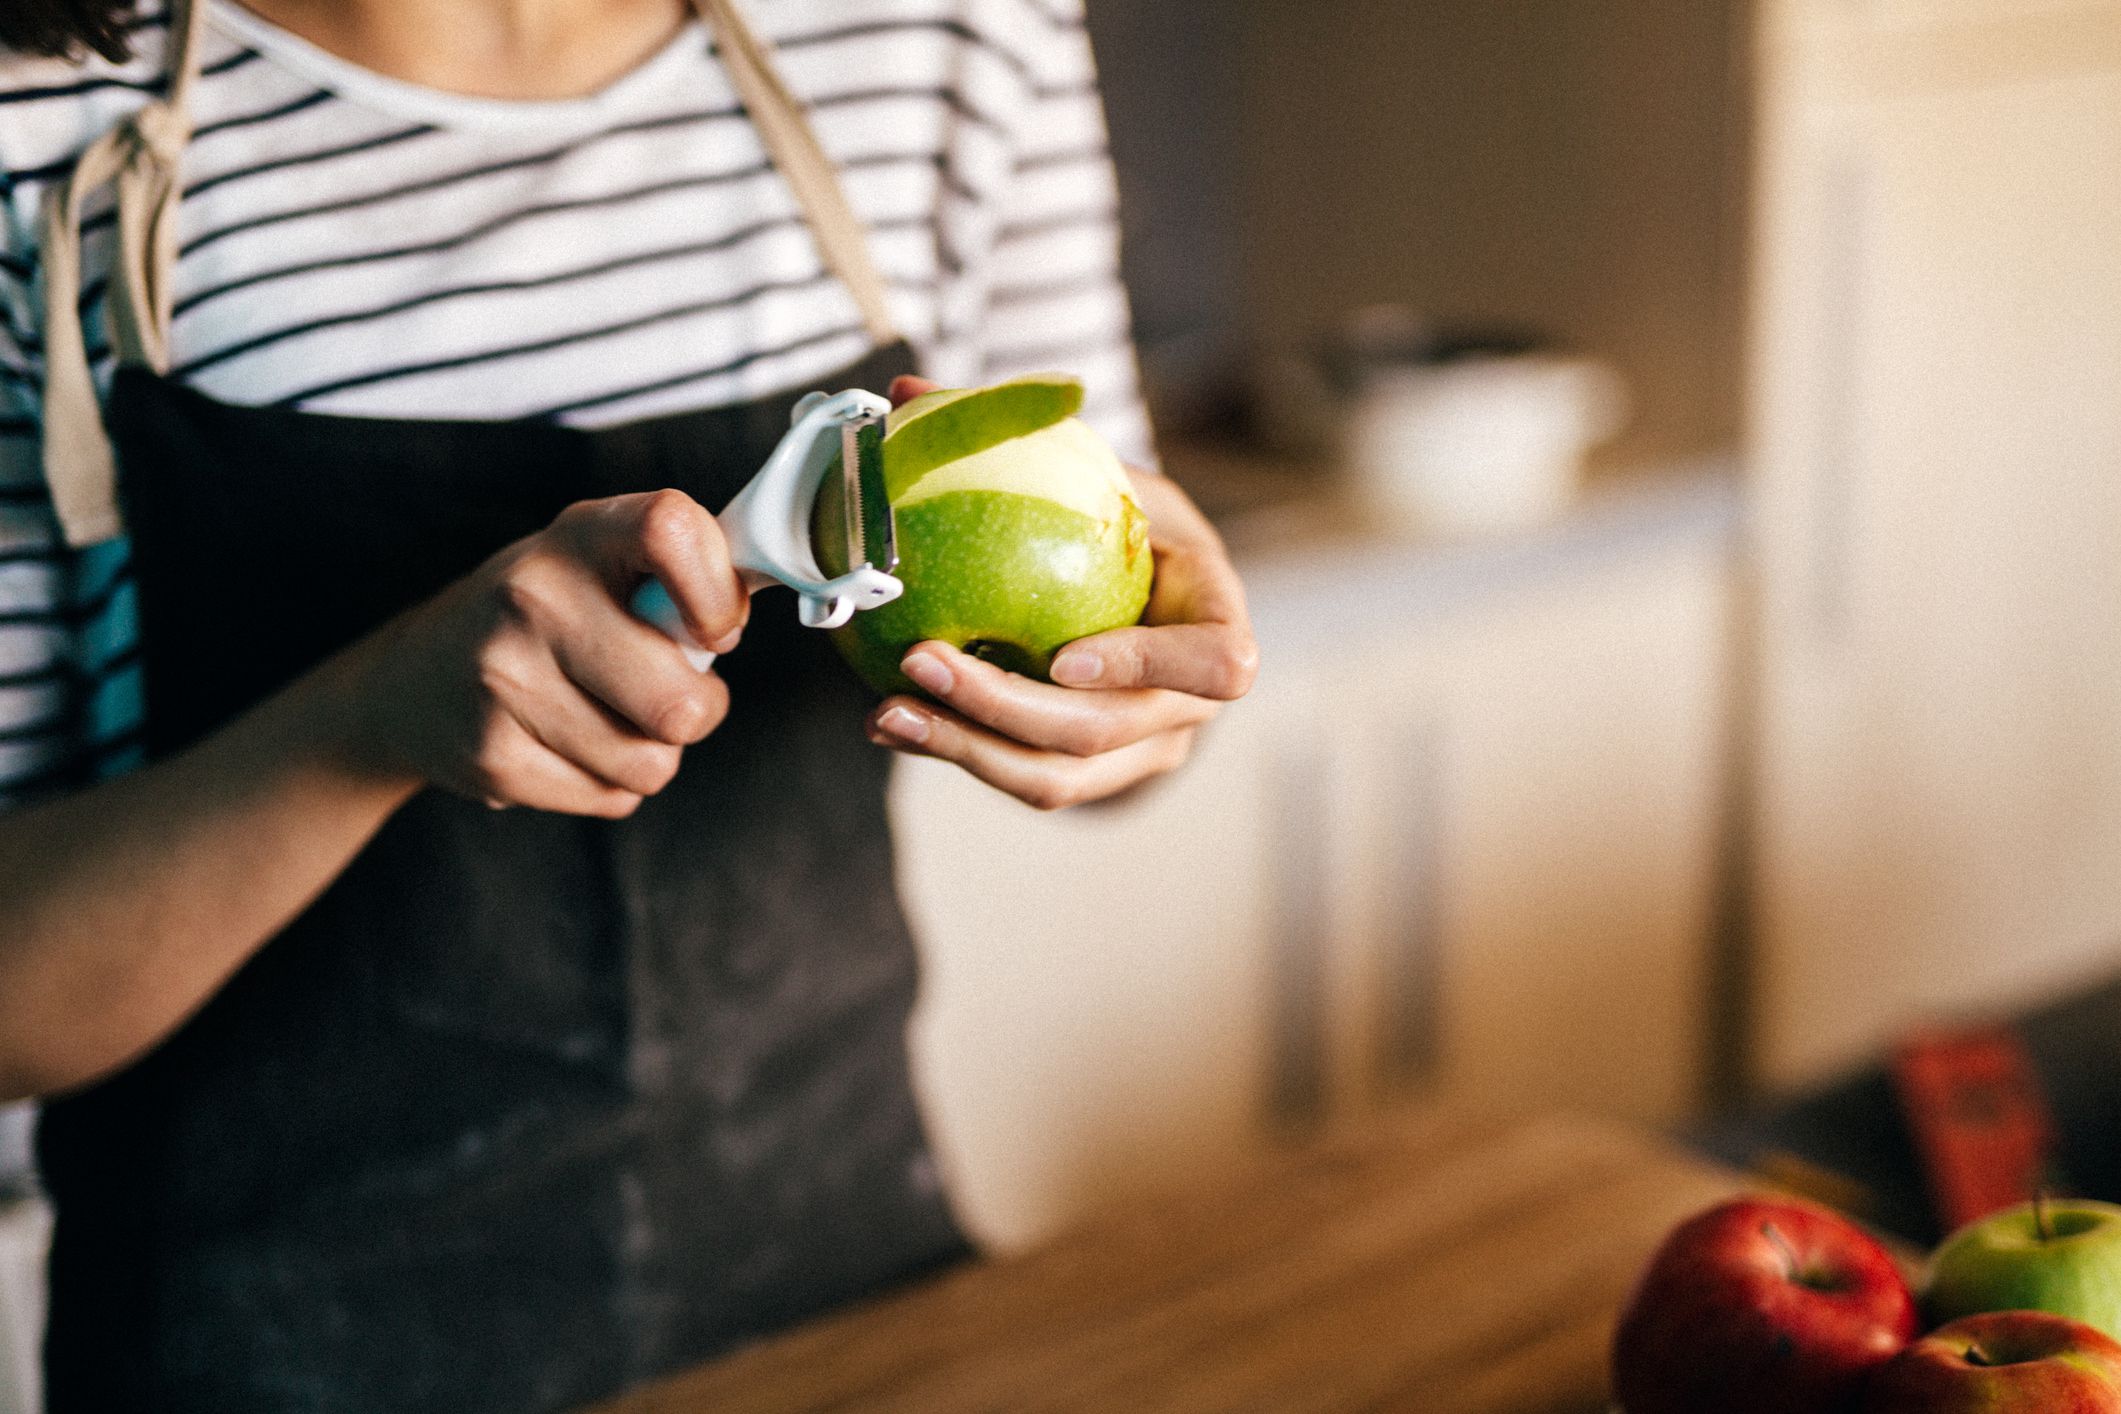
column 1863, row 19
column 1461, row 840
column 1936, row 463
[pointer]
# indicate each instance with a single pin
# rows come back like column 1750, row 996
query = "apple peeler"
column 767, row 524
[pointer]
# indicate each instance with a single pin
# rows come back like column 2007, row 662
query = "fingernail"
column 906, row 724
column 727, row 642
column 1078, row 669
column 931, row 672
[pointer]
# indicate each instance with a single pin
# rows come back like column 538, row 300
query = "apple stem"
column 2040, row 1223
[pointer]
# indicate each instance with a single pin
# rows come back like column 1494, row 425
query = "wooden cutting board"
column 1455, row 1265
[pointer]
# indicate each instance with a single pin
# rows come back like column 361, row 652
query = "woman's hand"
column 525, row 683
column 528, row 682
column 1123, row 707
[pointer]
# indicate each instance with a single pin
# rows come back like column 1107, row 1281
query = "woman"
column 464, row 1004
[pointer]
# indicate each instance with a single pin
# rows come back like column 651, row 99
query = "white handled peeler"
column 768, row 522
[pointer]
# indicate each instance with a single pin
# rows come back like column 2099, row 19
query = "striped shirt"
column 354, row 245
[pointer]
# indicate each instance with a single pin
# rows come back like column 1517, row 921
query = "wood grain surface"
column 1454, row 1265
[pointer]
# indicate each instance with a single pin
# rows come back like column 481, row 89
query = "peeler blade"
column 872, row 529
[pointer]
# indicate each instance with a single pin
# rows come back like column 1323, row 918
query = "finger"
column 581, row 730
column 1045, row 780
column 639, row 674
column 1041, row 715
column 514, row 768
column 669, row 535
column 1194, row 584
column 1213, row 660
column 1195, row 581
column 1196, row 634
column 905, row 388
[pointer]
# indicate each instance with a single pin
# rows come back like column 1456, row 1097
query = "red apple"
column 1760, row 1306
column 2008, row 1362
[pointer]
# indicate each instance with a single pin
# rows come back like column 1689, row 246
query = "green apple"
column 1018, row 531
column 2061, row 1256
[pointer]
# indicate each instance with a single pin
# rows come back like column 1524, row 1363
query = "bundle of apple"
column 1771, row 1306
column 1018, row 531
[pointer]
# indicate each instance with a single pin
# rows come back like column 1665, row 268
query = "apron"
column 525, row 1108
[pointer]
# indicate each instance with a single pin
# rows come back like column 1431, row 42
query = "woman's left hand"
column 1123, row 706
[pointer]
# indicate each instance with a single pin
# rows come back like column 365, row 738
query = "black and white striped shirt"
column 350, row 244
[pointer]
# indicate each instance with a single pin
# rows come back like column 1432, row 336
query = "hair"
column 63, row 28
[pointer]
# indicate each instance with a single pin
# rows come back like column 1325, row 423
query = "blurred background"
column 1675, row 450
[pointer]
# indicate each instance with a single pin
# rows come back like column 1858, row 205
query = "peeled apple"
column 1018, row 531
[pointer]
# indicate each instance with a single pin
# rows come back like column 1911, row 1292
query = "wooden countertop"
column 1452, row 1265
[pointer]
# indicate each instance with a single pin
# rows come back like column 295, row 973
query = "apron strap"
column 140, row 159
column 785, row 130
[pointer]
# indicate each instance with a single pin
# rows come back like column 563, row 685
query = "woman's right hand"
column 529, row 683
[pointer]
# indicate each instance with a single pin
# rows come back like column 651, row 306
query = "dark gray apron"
column 526, row 1107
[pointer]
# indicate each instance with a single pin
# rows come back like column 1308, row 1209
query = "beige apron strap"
column 786, row 132
column 140, row 158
